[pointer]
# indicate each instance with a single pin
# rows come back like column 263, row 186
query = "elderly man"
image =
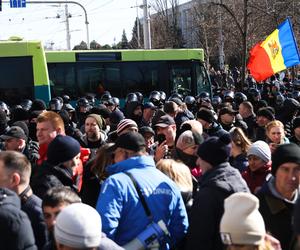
column 279, row 194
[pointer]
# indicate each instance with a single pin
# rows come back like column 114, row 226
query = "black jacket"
column 91, row 185
column 251, row 123
column 15, row 228
column 48, row 176
column 32, row 206
column 215, row 130
column 215, row 186
column 277, row 214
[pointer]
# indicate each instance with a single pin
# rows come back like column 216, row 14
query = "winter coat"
column 122, row 213
column 32, row 206
column 15, row 228
column 277, row 213
column 215, row 130
column 240, row 162
column 251, row 123
column 91, row 185
column 215, row 186
column 255, row 179
column 49, row 176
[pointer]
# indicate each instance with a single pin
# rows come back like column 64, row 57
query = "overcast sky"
column 107, row 19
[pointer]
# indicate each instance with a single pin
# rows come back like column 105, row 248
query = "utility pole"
column 146, row 27
column 67, row 28
column 138, row 25
column 221, row 39
column 61, row 2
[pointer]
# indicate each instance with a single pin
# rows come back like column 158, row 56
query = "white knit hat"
column 260, row 149
column 241, row 222
column 78, row 225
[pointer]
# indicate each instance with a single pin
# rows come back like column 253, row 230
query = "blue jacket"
column 122, row 213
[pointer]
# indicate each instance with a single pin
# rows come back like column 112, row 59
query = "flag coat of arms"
column 278, row 52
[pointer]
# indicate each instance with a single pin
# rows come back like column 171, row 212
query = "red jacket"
column 256, row 179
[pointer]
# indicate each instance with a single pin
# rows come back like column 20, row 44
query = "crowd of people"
column 160, row 172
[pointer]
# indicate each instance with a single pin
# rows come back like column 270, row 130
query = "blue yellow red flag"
column 276, row 53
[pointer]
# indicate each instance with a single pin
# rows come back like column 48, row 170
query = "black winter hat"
column 285, row 153
column 23, row 126
column 116, row 116
column 266, row 112
column 296, row 122
column 38, row 105
column 215, row 150
column 132, row 141
column 206, row 115
column 62, row 149
column 19, row 114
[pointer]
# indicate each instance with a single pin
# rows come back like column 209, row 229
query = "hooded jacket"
column 122, row 213
column 215, row 186
column 15, row 228
column 129, row 109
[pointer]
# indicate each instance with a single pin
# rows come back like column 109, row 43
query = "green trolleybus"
column 78, row 73
column 23, row 71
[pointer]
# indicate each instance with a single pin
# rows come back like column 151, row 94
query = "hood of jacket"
column 130, row 107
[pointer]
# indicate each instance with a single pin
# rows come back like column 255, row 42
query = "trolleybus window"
column 16, row 79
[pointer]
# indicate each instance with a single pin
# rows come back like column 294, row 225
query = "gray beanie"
column 78, row 225
column 260, row 149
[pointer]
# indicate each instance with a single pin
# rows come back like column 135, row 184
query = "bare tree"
column 164, row 25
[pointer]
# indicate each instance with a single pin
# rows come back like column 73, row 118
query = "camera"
column 154, row 236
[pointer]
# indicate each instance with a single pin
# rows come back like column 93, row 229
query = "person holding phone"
column 166, row 134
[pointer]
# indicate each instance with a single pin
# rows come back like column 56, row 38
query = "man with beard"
column 134, row 111
column 94, row 136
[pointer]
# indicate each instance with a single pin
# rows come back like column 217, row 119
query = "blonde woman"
column 275, row 134
column 240, row 145
column 181, row 175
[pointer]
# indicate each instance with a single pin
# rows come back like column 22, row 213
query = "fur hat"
column 242, row 224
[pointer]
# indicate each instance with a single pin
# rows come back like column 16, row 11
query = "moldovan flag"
column 278, row 52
